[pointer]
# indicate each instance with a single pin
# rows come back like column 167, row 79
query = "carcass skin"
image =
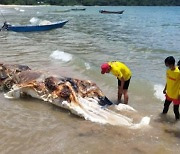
column 82, row 97
column 20, row 80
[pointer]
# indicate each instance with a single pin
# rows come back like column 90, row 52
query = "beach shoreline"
column 12, row 6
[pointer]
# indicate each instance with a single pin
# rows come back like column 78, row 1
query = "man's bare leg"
column 126, row 97
column 119, row 95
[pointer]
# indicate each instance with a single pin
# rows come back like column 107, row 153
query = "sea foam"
column 158, row 91
column 61, row 55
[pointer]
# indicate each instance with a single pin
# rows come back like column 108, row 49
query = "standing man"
column 123, row 74
column 172, row 87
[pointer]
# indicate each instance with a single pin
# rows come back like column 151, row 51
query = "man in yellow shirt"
column 123, row 74
column 172, row 87
column 178, row 64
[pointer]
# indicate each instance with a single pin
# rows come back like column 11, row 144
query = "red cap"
column 104, row 68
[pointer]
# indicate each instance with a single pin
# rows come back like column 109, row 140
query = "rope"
column 3, row 16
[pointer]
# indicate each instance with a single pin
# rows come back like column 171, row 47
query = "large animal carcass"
column 81, row 97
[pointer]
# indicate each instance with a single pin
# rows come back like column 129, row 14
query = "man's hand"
column 164, row 91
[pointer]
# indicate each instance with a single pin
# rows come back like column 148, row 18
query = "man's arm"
column 164, row 91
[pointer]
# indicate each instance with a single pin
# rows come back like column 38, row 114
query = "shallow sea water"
column 142, row 37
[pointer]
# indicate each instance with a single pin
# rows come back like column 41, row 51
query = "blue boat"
column 32, row 28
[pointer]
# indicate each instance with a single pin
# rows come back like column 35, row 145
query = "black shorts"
column 126, row 84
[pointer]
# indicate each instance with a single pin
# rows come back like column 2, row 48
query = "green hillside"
column 95, row 2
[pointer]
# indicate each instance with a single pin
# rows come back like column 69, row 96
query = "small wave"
column 61, row 55
column 20, row 10
column 158, row 92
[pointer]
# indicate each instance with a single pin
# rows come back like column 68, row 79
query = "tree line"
column 94, row 2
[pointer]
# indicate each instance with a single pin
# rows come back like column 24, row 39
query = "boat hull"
column 37, row 28
column 111, row 12
column 79, row 9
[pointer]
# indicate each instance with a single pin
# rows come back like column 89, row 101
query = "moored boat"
column 78, row 9
column 34, row 28
column 111, row 12
column 62, row 11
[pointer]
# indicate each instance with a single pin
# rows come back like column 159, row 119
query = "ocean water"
column 142, row 37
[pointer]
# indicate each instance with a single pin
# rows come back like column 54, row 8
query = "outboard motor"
column 5, row 26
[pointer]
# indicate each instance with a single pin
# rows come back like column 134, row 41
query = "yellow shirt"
column 120, row 70
column 173, row 83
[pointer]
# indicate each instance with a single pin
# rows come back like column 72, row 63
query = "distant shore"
column 12, row 5
column 9, row 6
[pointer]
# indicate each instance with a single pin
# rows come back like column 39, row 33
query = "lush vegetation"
column 95, row 2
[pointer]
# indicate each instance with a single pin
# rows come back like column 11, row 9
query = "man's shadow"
column 164, row 118
column 175, row 133
column 167, row 119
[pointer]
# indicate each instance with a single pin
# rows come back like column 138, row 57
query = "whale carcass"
column 82, row 97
